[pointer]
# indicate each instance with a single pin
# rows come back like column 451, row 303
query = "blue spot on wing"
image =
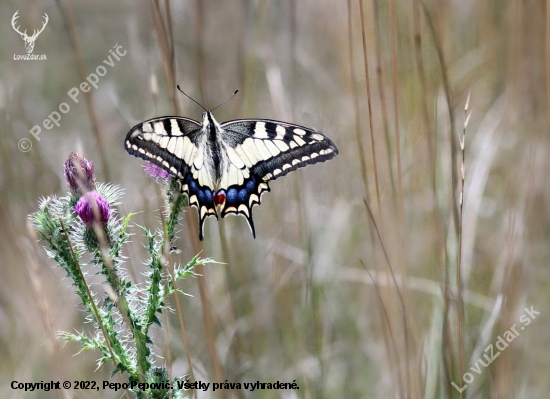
column 238, row 195
column 243, row 195
column 204, row 199
column 203, row 194
column 208, row 196
column 232, row 195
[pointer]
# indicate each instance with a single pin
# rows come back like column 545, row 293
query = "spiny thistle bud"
column 93, row 208
column 159, row 377
column 79, row 173
column 45, row 203
column 156, row 172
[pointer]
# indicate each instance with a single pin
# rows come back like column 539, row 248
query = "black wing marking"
column 260, row 150
column 177, row 145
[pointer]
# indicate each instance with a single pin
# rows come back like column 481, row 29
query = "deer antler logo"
column 29, row 40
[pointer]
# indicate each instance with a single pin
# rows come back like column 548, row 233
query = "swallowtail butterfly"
column 225, row 168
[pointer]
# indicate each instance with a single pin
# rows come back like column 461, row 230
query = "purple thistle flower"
column 93, row 208
column 156, row 172
column 79, row 173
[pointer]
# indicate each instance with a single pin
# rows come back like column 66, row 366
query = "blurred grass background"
column 349, row 300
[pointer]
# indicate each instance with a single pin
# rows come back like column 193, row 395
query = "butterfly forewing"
column 224, row 169
column 271, row 149
column 168, row 142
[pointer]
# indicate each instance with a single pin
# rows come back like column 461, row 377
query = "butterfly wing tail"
column 250, row 223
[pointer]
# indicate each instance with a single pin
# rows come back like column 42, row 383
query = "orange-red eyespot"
column 219, row 198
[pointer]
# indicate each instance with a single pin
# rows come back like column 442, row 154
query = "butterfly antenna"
column 230, row 97
column 196, row 102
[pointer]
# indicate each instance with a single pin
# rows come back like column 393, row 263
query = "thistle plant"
column 83, row 231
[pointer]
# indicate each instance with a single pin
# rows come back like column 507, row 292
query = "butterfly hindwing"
column 225, row 168
column 239, row 199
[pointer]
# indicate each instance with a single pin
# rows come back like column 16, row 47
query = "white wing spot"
column 175, row 128
column 314, row 155
column 241, row 178
column 171, row 147
column 259, row 131
column 299, row 141
column 147, row 128
column 163, row 142
column 253, row 198
column 300, row 132
column 244, row 209
column 249, row 149
column 317, row 136
column 199, row 159
column 276, row 172
column 203, row 177
column 281, row 130
column 262, row 149
column 243, row 156
column 281, row 145
column 178, row 148
column 159, row 128
column 235, row 177
column 234, row 158
column 293, row 144
column 272, row 148
column 305, row 158
column 286, row 166
column 295, row 162
column 186, row 149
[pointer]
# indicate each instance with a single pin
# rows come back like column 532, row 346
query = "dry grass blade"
column 369, row 102
column 405, row 326
column 460, row 306
column 69, row 19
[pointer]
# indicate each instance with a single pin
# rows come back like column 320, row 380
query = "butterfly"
column 224, row 168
